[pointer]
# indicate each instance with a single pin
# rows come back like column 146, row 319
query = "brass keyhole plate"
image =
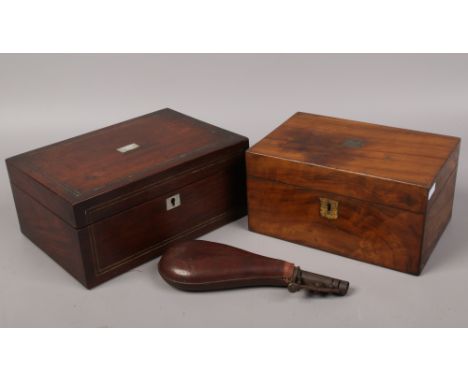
column 328, row 208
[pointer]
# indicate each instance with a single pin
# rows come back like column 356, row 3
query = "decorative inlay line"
column 222, row 138
column 92, row 210
column 77, row 193
column 98, row 270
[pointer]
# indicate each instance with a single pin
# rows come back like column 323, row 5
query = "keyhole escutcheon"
column 329, row 208
column 173, row 202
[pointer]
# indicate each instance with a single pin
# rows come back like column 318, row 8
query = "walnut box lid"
column 372, row 162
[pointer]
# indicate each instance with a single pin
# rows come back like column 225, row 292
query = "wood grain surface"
column 99, row 212
column 380, row 176
column 395, row 154
column 87, row 170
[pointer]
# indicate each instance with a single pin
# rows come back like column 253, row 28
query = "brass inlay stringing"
column 328, row 208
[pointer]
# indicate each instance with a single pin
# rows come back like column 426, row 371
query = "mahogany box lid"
column 72, row 176
column 398, row 161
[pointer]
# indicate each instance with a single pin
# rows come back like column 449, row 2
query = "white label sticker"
column 431, row 191
column 124, row 149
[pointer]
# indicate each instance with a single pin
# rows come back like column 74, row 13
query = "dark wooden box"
column 104, row 202
column 373, row 193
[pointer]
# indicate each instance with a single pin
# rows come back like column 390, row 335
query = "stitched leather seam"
column 275, row 278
